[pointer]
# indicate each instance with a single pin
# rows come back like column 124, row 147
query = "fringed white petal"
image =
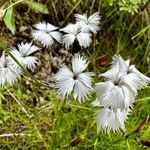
column 81, row 18
column 65, row 87
column 102, row 88
column 32, row 50
column 51, row 27
column 81, row 90
column 71, row 29
column 124, row 65
column 8, row 76
column 3, row 60
column 107, row 120
column 63, row 73
column 119, row 67
column 64, row 81
column 94, row 19
column 112, row 74
column 142, row 77
column 84, row 39
column 26, row 49
column 84, row 28
column 129, row 96
column 45, row 38
column 86, row 78
column 43, row 26
column 79, row 64
column 30, row 62
column 56, row 35
column 68, row 40
column 133, row 81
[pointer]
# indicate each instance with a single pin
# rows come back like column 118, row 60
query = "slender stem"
column 92, row 7
column 72, row 11
column 14, row 4
column 147, row 87
column 145, row 98
column 14, row 134
column 18, row 102
column 78, row 106
column 142, row 8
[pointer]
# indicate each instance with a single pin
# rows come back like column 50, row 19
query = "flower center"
column 5, row 64
column 116, row 83
column 75, row 76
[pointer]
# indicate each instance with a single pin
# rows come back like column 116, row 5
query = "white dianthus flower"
column 114, row 96
column 108, row 119
column 8, row 73
column 23, row 55
column 124, row 73
column 120, row 88
column 46, row 34
column 75, row 80
column 88, row 24
column 72, row 33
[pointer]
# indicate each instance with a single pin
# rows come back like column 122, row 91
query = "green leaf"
column 9, row 20
column 38, row 6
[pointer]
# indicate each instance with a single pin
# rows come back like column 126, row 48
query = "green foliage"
column 9, row 16
column 131, row 6
column 9, row 20
column 38, row 6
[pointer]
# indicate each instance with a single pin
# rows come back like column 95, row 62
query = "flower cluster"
column 10, row 71
column 117, row 94
column 74, row 80
column 47, row 34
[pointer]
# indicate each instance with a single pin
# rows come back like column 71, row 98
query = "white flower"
column 23, row 55
column 8, row 73
column 120, row 88
column 72, row 34
column 108, row 119
column 90, row 24
column 123, row 73
column 114, row 96
column 46, row 33
column 74, row 80
column 113, row 93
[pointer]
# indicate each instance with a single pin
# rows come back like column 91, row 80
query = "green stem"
column 14, row 4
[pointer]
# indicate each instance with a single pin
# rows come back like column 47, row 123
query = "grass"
column 32, row 117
